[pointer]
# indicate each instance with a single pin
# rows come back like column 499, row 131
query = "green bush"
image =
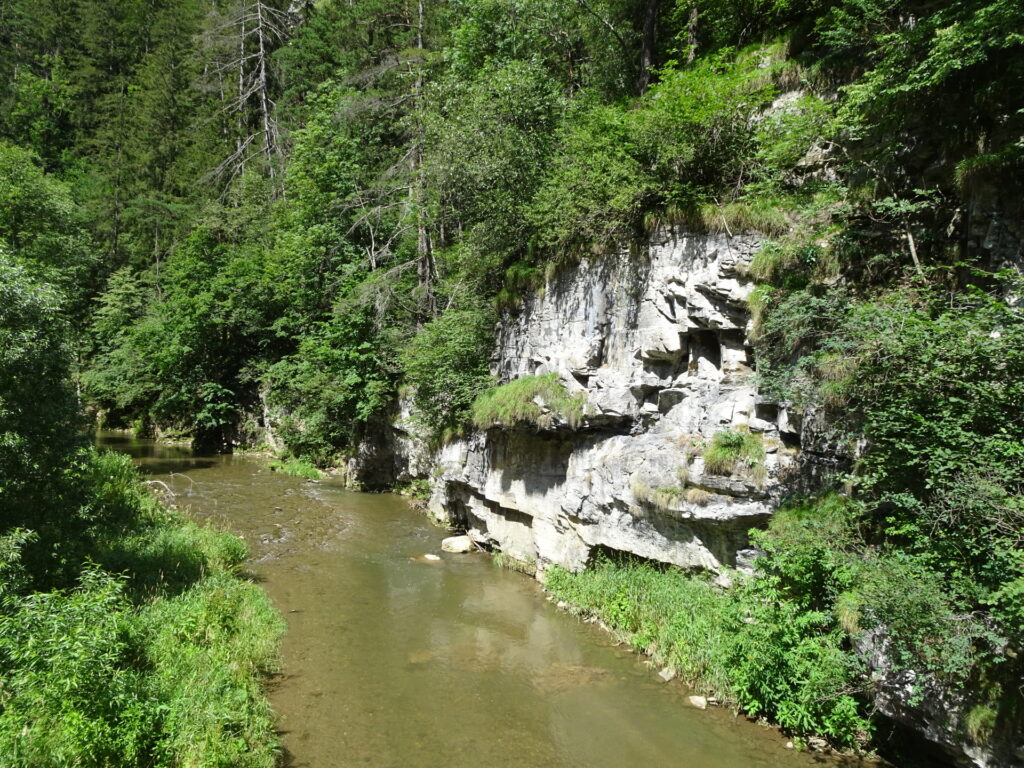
column 156, row 656
column 759, row 645
column 683, row 621
column 296, row 467
column 446, row 363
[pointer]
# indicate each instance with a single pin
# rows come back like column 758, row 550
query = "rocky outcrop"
column 657, row 343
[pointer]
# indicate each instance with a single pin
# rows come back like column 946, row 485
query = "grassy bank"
column 763, row 655
column 150, row 650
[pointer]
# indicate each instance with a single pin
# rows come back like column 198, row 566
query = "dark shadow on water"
column 171, row 466
column 287, row 759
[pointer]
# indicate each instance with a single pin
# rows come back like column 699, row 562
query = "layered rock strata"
column 657, row 342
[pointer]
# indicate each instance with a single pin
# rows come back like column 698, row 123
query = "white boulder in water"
column 458, row 544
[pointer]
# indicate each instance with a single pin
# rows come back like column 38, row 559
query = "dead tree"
column 242, row 39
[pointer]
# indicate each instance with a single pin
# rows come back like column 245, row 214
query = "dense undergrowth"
column 128, row 636
column 150, row 650
column 751, row 646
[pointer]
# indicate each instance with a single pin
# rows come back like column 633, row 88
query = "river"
column 393, row 660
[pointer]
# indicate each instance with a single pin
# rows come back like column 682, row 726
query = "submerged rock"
column 698, row 702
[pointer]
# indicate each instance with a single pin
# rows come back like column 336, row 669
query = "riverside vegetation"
column 209, row 211
column 127, row 635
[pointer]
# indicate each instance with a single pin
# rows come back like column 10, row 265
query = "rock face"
column 657, row 343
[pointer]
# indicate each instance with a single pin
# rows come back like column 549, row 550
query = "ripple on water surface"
column 395, row 660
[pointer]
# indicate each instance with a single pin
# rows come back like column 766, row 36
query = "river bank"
column 394, row 660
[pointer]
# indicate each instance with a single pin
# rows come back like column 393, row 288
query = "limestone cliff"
column 656, row 340
column 658, row 343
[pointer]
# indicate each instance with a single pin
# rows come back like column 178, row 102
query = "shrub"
column 446, row 366
column 684, row 621
column 752, row 645
column 155, row 656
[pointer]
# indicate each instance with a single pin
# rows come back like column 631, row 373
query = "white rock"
column 431, row 556
column 458, row 544
column 698, row 702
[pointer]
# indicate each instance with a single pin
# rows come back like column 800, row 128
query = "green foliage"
column 752, row 645
column 37, row 407
column 330, row 388
column 446, row 366
column 296, row 467
column 155, row 656
column 596, row 186
column 538, row 400
column 42, row 226
column 683, row 621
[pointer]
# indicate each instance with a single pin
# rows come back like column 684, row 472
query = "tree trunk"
column 691, row 37
column 424, row 251
column 648, row 42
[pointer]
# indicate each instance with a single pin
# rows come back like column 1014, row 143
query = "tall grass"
column 155, row 656
column 297, row 467
column 538, row 400
column 734, row 450
column 752, row 645
column 682, row 621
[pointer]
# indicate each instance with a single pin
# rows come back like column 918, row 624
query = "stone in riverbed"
column 458, row 544
column 698, row 701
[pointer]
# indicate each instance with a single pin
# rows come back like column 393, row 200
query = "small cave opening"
column 705, row 345
column 604, row 554
column 790, row 439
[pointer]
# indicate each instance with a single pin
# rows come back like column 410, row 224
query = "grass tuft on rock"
column 538, row 400
column 735, row 449
column 297, row 467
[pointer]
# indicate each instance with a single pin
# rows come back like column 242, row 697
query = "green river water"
column 392, row 660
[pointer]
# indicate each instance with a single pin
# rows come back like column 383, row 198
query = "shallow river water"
column 391, row 660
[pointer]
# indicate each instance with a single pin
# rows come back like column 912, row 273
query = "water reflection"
column 393, row 660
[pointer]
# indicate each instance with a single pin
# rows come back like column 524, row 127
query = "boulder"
column 458, row 544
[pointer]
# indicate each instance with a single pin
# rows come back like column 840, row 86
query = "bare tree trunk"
column 240, row 132
column 648, row 41
column 269, row 142
column 913, row 249
column 691, row 37
column 425, row 256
